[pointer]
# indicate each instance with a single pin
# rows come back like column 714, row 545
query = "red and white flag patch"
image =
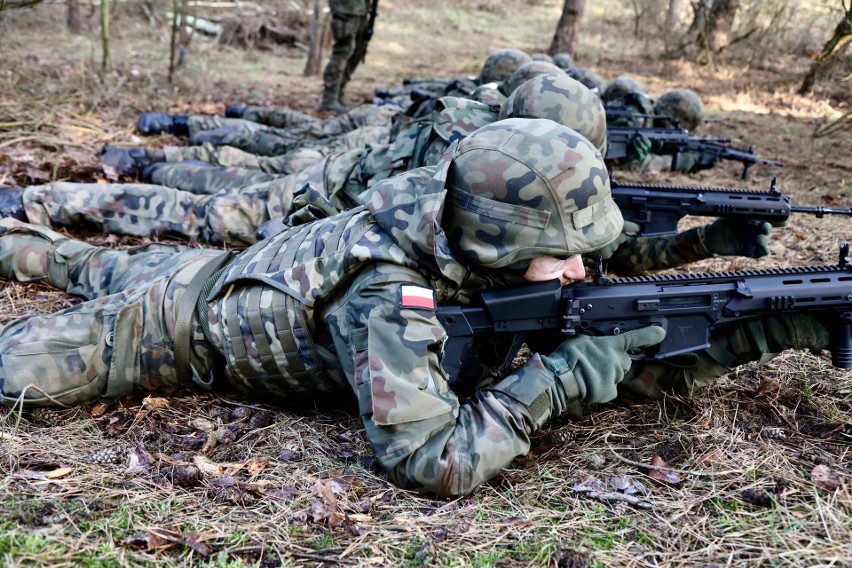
column 416, row 297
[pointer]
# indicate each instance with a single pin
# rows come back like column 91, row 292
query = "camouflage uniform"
column 330, row 307
column 347, row 304
column 233, row 214
column 416, row 143
column 366, row 124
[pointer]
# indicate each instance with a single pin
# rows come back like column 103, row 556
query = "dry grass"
column 182, row 478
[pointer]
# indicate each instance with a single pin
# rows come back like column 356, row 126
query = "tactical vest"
column 422, row 142
column 263, row 305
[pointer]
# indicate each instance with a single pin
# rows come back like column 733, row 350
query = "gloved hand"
column 640, row 147
column 736, row 237
column 597, row 364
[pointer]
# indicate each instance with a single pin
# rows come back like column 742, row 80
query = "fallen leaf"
column 139, row 460
column 664, row 475
column 57, row 473
column 207, row 466
column 99, row 409
column 767, row 386
column 151, row 402
column 711, row 458
column 256, row 466
column 589, row 483
column 826, row 478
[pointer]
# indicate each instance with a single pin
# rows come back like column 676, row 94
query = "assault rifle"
column 674, row 141
column 663, row 140
column 685, row 305
column 710, row 153
column 657, row 209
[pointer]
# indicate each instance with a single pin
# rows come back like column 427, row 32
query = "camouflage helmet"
column 501, row 64
column 529, row 70
column 620, row 86
column 564, row 61
column 590, row 79
column 489, row 93
column 684, row 105
column 541, row 57
column 519, row 189
column 561, row 99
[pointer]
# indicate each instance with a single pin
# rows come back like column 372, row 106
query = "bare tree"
column 568, row 29
column 318, row 36
column 105, row 59
column 836, row 43
column 673, row 15
column 74, row 25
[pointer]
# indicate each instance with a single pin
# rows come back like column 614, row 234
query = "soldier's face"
column 566, row 270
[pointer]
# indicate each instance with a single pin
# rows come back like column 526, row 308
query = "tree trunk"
column 720, row 23
column 104, row 35
column 672, row 22
column 568, row 29
column 839, row 40
column 318, row 34
column 74, row 24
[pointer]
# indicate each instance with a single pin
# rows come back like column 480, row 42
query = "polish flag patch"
column 416, row 297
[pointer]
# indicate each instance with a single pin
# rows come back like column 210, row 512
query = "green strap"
column 186, row 313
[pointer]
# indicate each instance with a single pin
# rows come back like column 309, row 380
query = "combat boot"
column 235, row 111
column 128, row 161
column 161, row 122
column 331, row 103
column 12, row 203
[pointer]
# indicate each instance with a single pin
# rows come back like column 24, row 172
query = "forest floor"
column 760, row 461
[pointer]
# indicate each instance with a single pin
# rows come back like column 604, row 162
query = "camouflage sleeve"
column 422, row 435
column 634, row 256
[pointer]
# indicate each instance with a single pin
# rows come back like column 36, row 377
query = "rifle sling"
column 186, row 314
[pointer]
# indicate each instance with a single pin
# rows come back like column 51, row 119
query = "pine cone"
column 113, row 454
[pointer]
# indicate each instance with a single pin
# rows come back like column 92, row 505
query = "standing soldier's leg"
column 358, row 53
column 344, row 29
column 101, row 349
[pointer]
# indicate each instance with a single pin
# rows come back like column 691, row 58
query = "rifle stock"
column 685, row 305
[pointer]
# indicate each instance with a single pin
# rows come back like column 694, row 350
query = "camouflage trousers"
column 287, row 162
column 276, row 141
column 277, row 117
column 204, row 122
column 229, row 217
column 119, row 339
column 350, row 47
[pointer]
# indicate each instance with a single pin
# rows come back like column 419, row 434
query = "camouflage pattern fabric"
column 561, row 99
column 290, row 161
column 500, row 65
column 684, row 105
column 118, row 340
column 418, row 143
column 227, row 217
column 202, row 122
column 349, row 19
column 529, row 70
column 273, row 142
column 276, row 117
column 349, row 301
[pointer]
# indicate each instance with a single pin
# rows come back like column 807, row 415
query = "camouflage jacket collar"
column 409, row 208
